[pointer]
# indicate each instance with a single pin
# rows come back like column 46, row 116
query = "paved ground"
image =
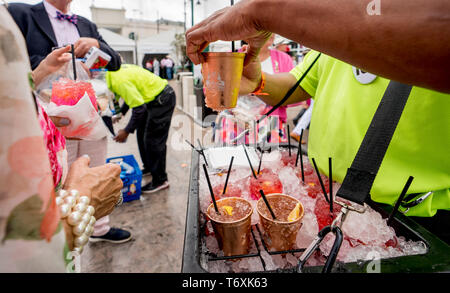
column 156, row 221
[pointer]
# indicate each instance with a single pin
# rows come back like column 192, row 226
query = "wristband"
column 75, row 209
column 259, row 90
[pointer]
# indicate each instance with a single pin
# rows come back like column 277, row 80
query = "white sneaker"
column 150, row 188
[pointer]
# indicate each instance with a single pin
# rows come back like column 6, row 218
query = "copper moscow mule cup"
column 281, row 235
column 222, row 72
column 233, row 237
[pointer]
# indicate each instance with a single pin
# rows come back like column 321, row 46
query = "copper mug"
column 222, row 72
column 281, row 235
column 233, row 237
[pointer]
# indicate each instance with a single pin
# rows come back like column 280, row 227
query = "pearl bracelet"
column 79, row 215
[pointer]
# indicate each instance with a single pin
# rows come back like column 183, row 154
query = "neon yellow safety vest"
column 343, row 110
column 136, row 85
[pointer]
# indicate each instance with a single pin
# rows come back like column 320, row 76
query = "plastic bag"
column 104, row 95
column 86, row 122
column 44, row 89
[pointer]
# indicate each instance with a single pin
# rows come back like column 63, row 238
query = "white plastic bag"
column 103, row 93
column 85, row 122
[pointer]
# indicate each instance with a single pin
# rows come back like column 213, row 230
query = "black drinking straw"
column 299, row 152
column 202, row 151
column 73, row 63
column 210, row 189
column 200, row 144
column 204, row 157
column 228, row 176
column 263, row 148
column 260, row 162
column 400, row 199
column 267, row 204
column 232, row 42
column 249, row 162
column 289, row 138
column 192, row 146
column 330, row 171
column 320, row 181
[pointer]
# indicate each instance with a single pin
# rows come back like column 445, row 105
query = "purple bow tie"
column 71, row 18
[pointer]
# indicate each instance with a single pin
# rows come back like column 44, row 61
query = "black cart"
column 436, row 259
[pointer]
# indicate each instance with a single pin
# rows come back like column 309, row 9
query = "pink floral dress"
column 56, row 148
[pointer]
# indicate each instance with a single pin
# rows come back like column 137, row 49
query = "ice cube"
column 368, row 227
column 308, row 231
column 218, row 266
column 269, row 262
column 291, row 260
column 249, row 264
column 279, row 261
column 212, row 245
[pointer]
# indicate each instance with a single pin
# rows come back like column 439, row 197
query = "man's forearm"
column 138, row 115
column 409, row 41
column 277, row 85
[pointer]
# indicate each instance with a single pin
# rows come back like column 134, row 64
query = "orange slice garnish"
column 295, row 213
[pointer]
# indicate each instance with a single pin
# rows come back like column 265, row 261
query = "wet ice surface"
column 366, row 236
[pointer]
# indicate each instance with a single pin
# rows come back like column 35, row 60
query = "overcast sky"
column 167, row 9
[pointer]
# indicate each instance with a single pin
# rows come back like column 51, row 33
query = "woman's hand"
column 52, row 63
column 56, row 59
column 229, row 24
column 101, row 184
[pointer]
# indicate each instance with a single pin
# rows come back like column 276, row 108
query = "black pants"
column 159, row 116
column 140, row 134
column 439, row 224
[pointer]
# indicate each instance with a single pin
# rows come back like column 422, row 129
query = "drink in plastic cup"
column 232, row 226
column 222, row 72
column 267, row 181
column 281, row 233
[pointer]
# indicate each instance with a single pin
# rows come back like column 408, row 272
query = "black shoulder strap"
column 290, row 91
column 360, row 176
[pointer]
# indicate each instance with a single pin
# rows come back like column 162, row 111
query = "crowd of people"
column 163, row 68
column 41, row 167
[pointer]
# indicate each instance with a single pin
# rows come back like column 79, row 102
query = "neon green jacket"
column 343, row 110
column 136, row 85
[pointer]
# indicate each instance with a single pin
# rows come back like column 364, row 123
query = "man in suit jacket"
column 50, row 24
column 43, row 30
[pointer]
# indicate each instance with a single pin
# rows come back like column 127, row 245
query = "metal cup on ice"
column 232, row 227
column 222, row 72
column 281, row 232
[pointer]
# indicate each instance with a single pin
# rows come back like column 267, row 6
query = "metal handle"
column 316, row 243
column 331, row 259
